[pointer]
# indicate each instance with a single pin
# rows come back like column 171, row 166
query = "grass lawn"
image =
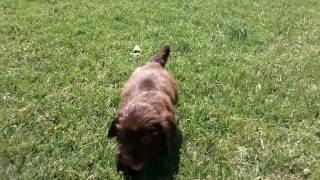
column 248, row 73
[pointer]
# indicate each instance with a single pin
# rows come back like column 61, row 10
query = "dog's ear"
column 113, row 128
column 169, row 128
column 162, row 56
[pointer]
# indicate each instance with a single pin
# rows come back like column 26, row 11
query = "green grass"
column 248, row 73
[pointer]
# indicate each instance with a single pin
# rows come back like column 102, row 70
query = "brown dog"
column 145, row 126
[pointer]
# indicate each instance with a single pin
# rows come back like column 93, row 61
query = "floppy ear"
column 113, row 129
column 169, row 128
column 162, row 56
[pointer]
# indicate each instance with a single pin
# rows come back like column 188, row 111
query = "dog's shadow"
column 163, row 167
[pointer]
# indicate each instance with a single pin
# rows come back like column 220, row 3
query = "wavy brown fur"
column 145, row 126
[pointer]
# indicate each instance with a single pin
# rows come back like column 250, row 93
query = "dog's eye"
column 146, row 140
column 121, row 135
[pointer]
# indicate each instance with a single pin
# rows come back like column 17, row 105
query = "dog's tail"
column 162, row 56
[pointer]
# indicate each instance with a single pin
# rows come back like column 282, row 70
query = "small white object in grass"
column 258, row 87
column 136, row 51
column 306, row 171
column 313, row 87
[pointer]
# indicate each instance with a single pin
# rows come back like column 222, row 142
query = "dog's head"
column 142, row 133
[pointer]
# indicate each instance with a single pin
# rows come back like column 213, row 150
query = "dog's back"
column 151, row 78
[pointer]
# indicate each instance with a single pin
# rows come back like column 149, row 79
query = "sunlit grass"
column 248, row 73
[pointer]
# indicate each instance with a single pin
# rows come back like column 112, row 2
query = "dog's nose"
column 136, row 167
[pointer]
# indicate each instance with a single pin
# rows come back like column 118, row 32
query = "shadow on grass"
column 161, row 168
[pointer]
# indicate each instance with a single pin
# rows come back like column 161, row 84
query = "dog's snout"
column 137, row 166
